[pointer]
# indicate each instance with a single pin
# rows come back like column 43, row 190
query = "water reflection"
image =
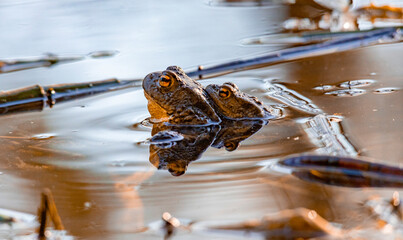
column 313, row 21
column 340, row 16
column 298, row 223
column 344, row 171
column 174, row 147
column 22, row 224
column 177, row 154
column 49, row 60
column 388, row 212
column 244, row 3
column 104, row 184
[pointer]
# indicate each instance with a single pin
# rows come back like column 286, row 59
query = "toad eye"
column 224, row 93
column 165, row 81
column 230, row 146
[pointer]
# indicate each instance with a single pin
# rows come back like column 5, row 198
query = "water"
column 91, row 154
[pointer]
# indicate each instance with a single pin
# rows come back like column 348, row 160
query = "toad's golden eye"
column 230, row 146
column 224, row 92
column 165, row 81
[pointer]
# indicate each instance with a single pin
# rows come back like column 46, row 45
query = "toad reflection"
column 174, row 147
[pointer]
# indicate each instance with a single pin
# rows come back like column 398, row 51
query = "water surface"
column 88, row 152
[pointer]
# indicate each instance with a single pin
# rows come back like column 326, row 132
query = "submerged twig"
column 48, row 207
column 36, row 98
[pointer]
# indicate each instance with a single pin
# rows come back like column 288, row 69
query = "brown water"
column 86, row 151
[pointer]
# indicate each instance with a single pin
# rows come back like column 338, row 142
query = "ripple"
column 166, row 137
column 118, row 163
column 357, row 83
column 324, row 87
column 146, row 123
column 353, row 92
column 349, row 88
column 242, row 3
column 385, row 90
column 43, row 136
column 281, row 38
column 102, row 54
column 291, row 98
column 143, row 125
column 326, row 131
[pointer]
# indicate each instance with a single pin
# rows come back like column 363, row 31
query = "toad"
column 175, row 98
column 231, row 103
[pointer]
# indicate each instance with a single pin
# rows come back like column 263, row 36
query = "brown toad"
column 175, row 98
column 231, row 103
